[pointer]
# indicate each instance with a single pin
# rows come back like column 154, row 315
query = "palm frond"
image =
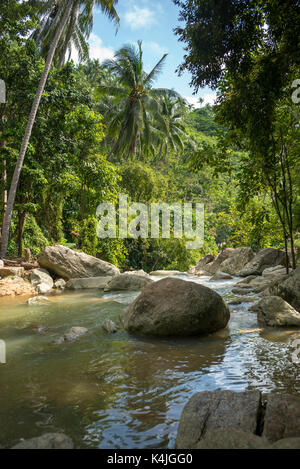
column 152, row 76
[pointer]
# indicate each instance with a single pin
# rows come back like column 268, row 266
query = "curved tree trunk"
column 31, row 120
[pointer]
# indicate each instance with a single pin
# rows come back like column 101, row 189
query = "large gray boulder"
column 237, row 260
column 262, row 283
column 129, row 282
column 87, row 283
column 282, row 417
column 175, row 307
column 218, row 410
column 264, row 259
column 68, row 263
column 289, row 289
column 215, row 266
column 229, row 420
column 47, row 441
column 200, row 267
column 273, row 311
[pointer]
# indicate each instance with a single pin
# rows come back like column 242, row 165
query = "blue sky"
column 151, row 21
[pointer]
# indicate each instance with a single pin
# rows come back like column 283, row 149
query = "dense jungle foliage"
column 104, row 129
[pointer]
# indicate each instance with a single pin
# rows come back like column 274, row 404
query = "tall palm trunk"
column 73, row 18
column 4, row 179
column 31, row 120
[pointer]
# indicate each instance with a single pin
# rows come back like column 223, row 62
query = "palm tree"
column 170, row 122
column 63, row 23
column 76, row 31
column 133, row 101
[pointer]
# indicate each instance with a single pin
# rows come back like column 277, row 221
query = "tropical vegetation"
column 75, row 135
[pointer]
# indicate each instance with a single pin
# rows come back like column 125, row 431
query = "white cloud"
column 155, row 48
column 139, row 17
column 194, row 100
column 208, row 98
column 97, row 50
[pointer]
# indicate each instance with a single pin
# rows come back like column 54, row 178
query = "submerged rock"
column 175, row 307
column 87, row 283
column 110, row 326
column 68, row 263
column 72, row 334
column 47, row 441
column 238, row 301
column 241, row 290
column 128, row 281
column 38, row 328
column 38, row 300
column 273, row 311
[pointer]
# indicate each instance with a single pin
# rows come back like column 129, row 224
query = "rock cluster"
column 230, row 420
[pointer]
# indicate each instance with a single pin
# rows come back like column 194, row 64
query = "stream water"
column 119, row 391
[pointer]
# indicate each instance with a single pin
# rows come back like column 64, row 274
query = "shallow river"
column 119, row 391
